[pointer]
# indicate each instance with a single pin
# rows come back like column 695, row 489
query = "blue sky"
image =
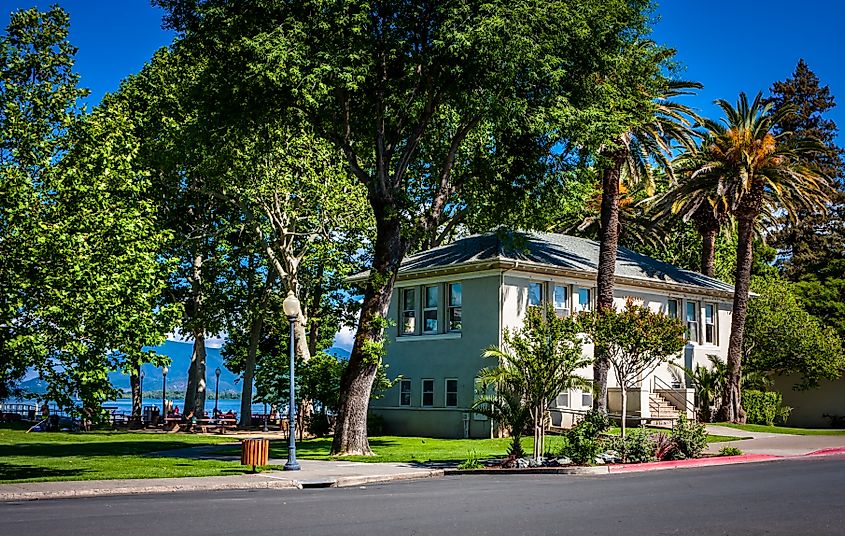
column 729, row 46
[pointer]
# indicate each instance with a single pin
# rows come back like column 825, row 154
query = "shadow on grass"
column 29, row 472
column 91, row 448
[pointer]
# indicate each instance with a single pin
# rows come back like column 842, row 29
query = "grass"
column 43, row 456
column 783, row 429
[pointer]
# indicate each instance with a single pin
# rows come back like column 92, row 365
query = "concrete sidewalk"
column 774, row 444
column 313, row 474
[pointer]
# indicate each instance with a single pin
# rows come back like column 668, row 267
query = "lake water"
column 124, row 405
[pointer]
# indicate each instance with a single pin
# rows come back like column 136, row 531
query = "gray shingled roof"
column 554, row 250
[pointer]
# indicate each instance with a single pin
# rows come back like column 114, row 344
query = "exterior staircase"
column 660, row 408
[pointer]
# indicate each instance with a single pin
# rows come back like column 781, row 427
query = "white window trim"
column 423, row 392
column 446, row 392
column 715, row 324
column 402, row 311
column 410, row 393
column 542, row 288
column 436, row 309
column 697, row 340
column 448, row 305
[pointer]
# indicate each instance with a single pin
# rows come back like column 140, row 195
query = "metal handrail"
column 658, row 383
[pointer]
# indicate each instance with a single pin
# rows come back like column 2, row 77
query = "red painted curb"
column 827, row 452
column 697, row 462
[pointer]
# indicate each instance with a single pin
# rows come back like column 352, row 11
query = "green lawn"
column 782, row 429
column 42, row 456
column 425, row 449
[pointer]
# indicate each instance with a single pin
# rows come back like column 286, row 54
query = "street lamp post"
column 216, row 390
column 163, row 392
column 292, row 311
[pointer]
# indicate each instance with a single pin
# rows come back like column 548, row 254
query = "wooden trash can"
column 255, row 452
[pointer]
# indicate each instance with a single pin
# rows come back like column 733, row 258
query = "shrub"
column 318, row 424
column 471, row 462
column 730, row 451
column 663, row 447
column 764, row 407
column 638, row 446
column 583, row 443
column 689, row 439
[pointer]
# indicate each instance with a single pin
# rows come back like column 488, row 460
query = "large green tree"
column 813, row 245
column 783, row 338
column 427, row 101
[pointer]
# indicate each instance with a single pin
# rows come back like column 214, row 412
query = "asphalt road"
column 782, row 497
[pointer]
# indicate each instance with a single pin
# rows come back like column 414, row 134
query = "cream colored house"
column 453, row 301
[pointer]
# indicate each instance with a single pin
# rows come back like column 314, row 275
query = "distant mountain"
column 177, row 375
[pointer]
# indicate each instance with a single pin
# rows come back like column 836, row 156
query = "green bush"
column 764, row 407
column 689, row 439
column 730, row 451
column 583, row 442
column 638, row 446
column 471, row 462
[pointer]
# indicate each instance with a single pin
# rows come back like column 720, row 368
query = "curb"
column 574, row 470
column 827, row 452
column 140, row 490
column 270, row 482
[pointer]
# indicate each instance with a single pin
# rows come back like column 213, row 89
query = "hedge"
column 764, row 407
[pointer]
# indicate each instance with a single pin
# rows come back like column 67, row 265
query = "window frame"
column 402, row 392
column 696, row 306
column 446, row 392
column 567, row 299
column 714, row 339
column 427, row 309
column 585, row 307
column 540, row 286
column 452, row 308
column 678, row 304
column 404, row 310
column 423, row 392
column 568, row 399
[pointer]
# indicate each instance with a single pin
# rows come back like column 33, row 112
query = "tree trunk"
column 135, row 386
column 708, row 251
column 731, row 408
column 249, row 370
column 624, row 414
column 350, row 437
column 254, row 338
column 608, row 244
column 196, row 389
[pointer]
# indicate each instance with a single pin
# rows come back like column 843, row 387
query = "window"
column 409, row 311
column 455, row 300
column 583, row 303
column 451, row 393
column 710, row 311
column 478, row 392
column 430, row 305
column 405, row 393
column 535, row 294
column 692, row 320
column 587, row 398
column 672, row 309
column 563, row 400
column 560, row 296
column 427, row 393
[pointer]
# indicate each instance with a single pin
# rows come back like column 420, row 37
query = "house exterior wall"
column 810, row 407
column 499, row 299
column 438, row 357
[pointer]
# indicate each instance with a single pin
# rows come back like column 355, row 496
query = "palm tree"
column 507, row 408
column 630, row 158
column 751, row 171
column 696, row 200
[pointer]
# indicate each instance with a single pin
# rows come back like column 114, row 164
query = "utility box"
column 255, row 452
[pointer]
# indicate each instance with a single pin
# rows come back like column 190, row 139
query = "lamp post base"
column 292, row 466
